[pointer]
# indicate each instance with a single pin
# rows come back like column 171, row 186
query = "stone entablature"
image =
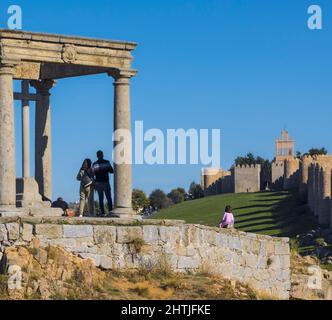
column 36, row 55
column 261, row 261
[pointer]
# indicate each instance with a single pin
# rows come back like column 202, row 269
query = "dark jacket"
column 102, row 169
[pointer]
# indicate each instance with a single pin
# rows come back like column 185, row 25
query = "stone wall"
column 278, row 171
column 319, row 189
column 263, row 262
column 247, row 178
column 216, row 181
column 291, row 176
column 305, row 163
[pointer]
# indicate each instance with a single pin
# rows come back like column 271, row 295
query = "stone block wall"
column 292, row 173
column 216, row 181
column 319, row 189
column 263, row 262
column 247, row 178
column 278, row 170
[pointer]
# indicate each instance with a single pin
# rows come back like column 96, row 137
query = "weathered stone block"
column 282, row 248
column 49, row 231
column 13, row 231
column 95, row 258
column 221, row 240
column 251, row 260
column 189, row 262
column 262, row 262
column 171, row 234
column 77, row 231
column 27, row 230
column 150, row 234
column 104, row 234
column 284, row 262
column 128, row 234
column 275, row 263
column 3, row 233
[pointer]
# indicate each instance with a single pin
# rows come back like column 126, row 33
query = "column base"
column 27, row 194
column 125, row 213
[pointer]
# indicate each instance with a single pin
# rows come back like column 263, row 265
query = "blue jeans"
column 104, row 188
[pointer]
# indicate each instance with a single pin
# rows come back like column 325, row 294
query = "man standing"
column 102, row 168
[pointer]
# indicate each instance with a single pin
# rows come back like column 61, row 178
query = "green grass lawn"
column 271, row 213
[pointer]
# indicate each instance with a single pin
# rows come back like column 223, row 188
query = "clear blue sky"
column 249, row 68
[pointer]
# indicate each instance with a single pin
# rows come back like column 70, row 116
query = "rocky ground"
column 312, row 265
column 53, row 273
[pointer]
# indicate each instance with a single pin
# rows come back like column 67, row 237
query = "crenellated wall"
column 247, row 178
column 261, row 261
column 319, row 188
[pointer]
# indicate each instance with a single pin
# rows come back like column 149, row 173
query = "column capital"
column 122, row 76
column 43, row 87
column 6, row 68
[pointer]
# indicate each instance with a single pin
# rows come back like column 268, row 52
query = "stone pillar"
column 7, row 138
column 122, row 171
column 25, row 132
column 43, row 146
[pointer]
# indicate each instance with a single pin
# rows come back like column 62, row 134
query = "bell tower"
column 285, row 147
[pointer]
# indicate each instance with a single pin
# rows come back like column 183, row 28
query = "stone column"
column 25, row 132
column 7, row 138
column 43, row 146
column 122, row 171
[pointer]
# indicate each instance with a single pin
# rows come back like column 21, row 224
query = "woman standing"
column 85, row 175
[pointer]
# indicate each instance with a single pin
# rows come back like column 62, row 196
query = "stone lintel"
column 34, row 48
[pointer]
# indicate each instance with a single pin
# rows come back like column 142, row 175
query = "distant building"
column 285, row 167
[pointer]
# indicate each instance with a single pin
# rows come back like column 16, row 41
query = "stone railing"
column 263, row 262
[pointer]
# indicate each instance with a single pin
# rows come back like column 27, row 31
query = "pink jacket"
column 227, row 221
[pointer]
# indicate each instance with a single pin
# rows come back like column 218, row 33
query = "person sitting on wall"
column 60, row 203
column 228, row 220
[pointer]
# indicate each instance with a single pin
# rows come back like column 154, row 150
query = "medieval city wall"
column 319, row 188
column 278, row 171
column 247, row 178
column 216, row 181
column 291, row 176
column 305, row 163
column 261, row 261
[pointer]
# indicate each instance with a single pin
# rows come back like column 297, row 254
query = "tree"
column 177, row 195
column 248, row 160
column 159, row 200
column 196, row 191
column 140, row 201
column 317, row 151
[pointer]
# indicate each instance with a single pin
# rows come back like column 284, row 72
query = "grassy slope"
column 271, row 213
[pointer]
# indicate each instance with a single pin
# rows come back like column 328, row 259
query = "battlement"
column 252, row 166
